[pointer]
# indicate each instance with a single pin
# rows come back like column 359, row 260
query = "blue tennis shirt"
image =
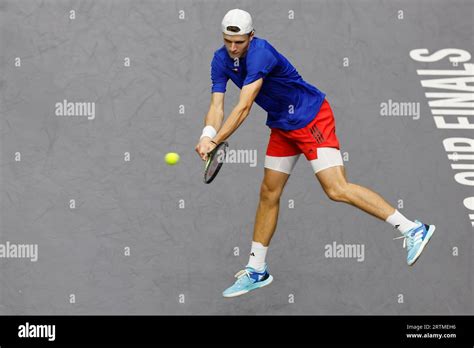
column 291, row 102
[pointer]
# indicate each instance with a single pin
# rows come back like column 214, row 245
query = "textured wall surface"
column 118, row 236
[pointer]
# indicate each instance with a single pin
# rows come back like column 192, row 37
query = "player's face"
column 237, row 45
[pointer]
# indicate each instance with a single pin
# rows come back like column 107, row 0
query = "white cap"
column 237, row 18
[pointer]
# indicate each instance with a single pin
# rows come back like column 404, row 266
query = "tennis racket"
column 215, row 160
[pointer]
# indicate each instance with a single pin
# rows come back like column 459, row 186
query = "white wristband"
column 208, row 131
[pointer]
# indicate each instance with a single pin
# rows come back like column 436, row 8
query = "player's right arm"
column 214, row 118
column 215, row 115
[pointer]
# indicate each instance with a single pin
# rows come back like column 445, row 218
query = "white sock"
column 257, row 256
column 400, row 222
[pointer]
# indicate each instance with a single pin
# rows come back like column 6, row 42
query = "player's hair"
column 236, row 29
column 233, row 28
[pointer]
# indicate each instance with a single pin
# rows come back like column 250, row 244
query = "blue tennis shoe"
column 416, row 240
column 248, row 279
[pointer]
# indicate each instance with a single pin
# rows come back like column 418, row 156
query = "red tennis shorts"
column 320, row 132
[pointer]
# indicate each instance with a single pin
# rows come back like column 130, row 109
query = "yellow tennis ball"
column 171, row 158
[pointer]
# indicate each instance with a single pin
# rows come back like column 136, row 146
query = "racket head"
column 215, row 160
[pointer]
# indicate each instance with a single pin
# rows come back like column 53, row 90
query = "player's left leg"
column 334, row 183
column 320, row 145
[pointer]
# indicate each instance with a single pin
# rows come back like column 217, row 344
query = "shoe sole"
column 260, row 285
column 429, row 234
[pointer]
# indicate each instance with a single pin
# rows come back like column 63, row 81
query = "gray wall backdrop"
column 181, row 259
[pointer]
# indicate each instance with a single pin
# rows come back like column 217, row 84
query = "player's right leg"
column 256, row 275
column 278, row 167
column 268, row 207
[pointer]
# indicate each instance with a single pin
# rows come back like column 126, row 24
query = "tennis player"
column 301, row 122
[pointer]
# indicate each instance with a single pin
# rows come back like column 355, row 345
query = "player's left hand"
column 212, row 146
column 204, row 147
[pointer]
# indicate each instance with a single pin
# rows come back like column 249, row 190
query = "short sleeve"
column 260, row 64
column 218, row 76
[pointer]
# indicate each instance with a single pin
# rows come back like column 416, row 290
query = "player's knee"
column 337, row 193
column 269, row 194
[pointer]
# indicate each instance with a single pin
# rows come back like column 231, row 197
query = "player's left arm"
column 240, row 112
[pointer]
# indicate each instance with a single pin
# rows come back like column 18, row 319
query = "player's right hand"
column 204, row 147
